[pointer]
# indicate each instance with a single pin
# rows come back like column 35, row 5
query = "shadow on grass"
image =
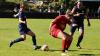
column 90, row 48
column 53, row 50
column 89, row 54
column 73, row 50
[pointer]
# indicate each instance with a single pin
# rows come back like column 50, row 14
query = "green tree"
column 2, row 0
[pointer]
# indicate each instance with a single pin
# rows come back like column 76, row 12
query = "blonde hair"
column 22, row 5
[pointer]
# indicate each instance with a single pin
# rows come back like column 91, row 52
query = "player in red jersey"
column 57, row 28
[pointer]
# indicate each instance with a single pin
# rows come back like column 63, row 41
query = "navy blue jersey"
column 79, row 19
column 22, row 15
column 23, row 29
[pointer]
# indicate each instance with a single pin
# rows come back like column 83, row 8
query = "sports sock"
column 80, row 39
column 68, row 42
column 18, row 40
column 63, row 45
column 34, row 40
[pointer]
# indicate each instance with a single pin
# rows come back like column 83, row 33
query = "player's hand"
column 14, row 15
column 77, row 14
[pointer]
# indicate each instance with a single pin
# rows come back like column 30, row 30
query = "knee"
column 23, row 38
column 64, row 37
column 82, row 33
column 33, row 35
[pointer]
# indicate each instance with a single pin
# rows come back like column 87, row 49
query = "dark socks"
column 34, row 40
column 18, row 40
column 22, row 39
column 79, row 39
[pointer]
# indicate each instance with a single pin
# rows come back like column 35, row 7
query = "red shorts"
column 54, row 32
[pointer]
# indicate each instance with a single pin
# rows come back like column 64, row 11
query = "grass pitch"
column 9, row 31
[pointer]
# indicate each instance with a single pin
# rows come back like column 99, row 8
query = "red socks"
column 63, row 44
column 68, row 42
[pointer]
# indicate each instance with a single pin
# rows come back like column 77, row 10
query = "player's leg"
column 80, row 38
column 69, row 39
column 21, row 27
column 72, row 29
column 57, row 33
column 33, row 39
column 21, row 38
column 33, row 36
column 63, row 37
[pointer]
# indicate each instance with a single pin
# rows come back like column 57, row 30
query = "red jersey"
column 60, row 22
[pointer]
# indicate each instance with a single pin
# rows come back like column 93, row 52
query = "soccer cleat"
column 66, row 49
column 63, row 54
column 11, row 43
column 37, row 47
column 63, row 51
column 79, row 47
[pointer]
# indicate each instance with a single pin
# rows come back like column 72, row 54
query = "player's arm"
column 54, row 21
column 20, row 20
column 50, row 26
column 73, row 12
column 15, row 15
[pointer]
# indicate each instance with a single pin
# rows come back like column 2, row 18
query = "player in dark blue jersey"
column 79, row 14
column 23, row 29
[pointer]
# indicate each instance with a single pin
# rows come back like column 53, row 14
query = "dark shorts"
column 23, row 28
column 79, row 26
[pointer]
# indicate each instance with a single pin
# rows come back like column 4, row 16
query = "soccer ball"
column 45, row 48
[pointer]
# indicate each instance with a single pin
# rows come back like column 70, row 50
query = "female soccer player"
column 79, row 14
column 23, row 29
column 57, row 28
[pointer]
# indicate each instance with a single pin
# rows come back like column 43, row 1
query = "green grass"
column 9, row 31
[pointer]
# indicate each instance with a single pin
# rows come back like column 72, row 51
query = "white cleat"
column 63, row 54
column 79, row 47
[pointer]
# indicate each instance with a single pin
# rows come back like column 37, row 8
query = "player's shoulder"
column 60, row 16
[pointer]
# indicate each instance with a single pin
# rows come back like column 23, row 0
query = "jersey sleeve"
column 56, row 20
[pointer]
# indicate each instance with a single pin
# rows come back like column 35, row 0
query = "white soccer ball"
column 45, row 48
